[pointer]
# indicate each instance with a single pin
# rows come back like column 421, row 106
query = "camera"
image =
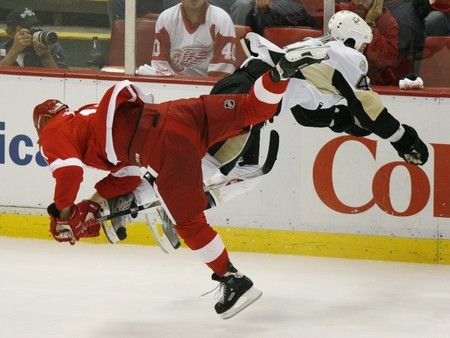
column 45, row 37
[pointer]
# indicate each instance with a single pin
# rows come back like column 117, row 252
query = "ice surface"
column 48, row 289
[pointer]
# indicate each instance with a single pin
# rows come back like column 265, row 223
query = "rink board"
column 290, row 242
column 328, row 194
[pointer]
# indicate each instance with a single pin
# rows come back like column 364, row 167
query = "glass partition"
column 53, row 34
column 410, row 40
column 193, row 40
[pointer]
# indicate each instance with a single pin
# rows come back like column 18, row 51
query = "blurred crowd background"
column 201, row 37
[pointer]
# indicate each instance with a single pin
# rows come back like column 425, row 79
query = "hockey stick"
column 263, row 170
column 168, row 240
column 168, row 243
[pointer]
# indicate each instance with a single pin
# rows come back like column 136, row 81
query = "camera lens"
column 48, row 38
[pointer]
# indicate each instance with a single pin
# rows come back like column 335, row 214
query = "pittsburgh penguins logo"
column 229, row 104
column 363, row 66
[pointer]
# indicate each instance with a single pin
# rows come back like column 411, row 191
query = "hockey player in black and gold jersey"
column 316, row 93
column 315, row 97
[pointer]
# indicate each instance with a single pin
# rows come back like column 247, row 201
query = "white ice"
column 48, row 289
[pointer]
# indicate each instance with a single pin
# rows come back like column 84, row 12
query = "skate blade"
column 247, row 299
column 152, row 221
column 110, row 234
column 171, row 234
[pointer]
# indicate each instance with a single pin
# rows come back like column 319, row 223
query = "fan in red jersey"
column 194, row 38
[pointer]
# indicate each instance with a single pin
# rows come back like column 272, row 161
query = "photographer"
column 28, row 45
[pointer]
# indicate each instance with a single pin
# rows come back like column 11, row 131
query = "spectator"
column 409, row 15
column 385, row 66
column 23, row 49
column 259, row 14
column 437, row 22
column 116, row 8
column 194, row 38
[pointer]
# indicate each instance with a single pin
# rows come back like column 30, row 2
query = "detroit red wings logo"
column 189, row 58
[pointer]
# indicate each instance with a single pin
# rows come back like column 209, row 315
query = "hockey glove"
column 312, row 118
column 296, row 59
column 338, row 118
column 79, row 223
column 410, row 147
column 342, row 119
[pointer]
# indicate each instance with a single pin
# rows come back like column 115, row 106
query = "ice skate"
column 118, row 231
column 296, row 59
column 169, row 229
column 238, row 293
column 258, row 47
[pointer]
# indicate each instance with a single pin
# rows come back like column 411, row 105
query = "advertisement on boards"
column 321, row 182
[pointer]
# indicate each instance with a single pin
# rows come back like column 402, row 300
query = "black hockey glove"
column 339, row 116
column 410, row 147
column 312, row 118
column 342, row 119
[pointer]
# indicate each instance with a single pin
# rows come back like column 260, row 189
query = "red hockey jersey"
column 74, row 140
column 207, row 48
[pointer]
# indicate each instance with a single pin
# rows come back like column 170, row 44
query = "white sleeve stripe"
column 221, row 67
column 263, row 95
column 127, row 171
column 397, row 135
column 212, row 250
column 66, row 163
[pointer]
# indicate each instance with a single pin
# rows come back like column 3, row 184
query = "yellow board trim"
column 82, row 36
column 417, row 250
column 75, row 35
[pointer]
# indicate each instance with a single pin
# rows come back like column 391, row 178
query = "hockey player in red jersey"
column 126, row 131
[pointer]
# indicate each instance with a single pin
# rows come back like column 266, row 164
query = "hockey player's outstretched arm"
column 367, row 108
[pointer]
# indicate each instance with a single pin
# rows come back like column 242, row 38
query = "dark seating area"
column 78, row 6
column 78, row 22
column 436, row 58
column 283, row 36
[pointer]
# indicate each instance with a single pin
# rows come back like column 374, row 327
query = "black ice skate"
column 296, row 59
column 238, row 293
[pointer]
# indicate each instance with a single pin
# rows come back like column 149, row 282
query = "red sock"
column 220, row 264
column 263, row 99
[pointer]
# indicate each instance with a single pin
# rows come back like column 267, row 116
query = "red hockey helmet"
column 44, row 111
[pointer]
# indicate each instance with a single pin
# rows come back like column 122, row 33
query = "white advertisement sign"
column 321, row 182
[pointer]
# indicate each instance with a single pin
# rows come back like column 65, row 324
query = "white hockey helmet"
column 344, row 25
